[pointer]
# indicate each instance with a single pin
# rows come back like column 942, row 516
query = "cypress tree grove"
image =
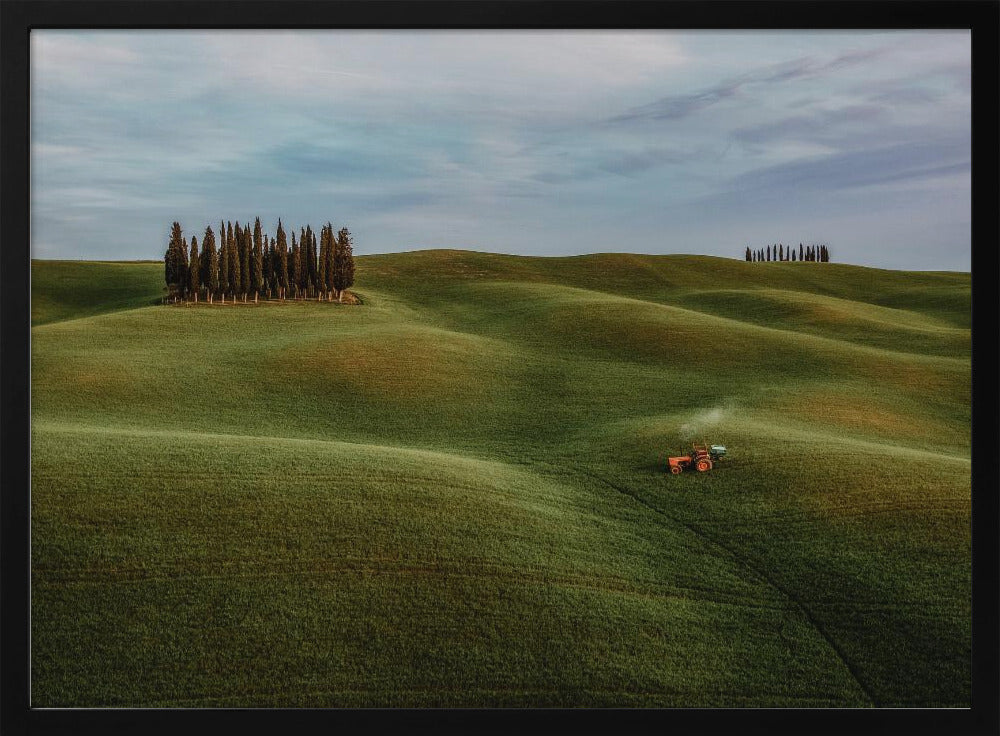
column 244, row 260
column 343, row 263
column 282, row 247
column 194, row 269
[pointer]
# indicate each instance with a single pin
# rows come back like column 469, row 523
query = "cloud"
column 617, row 163
column 818, row 125
column 676, row 107
column 858, row 168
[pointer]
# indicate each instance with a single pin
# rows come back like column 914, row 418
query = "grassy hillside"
column 71, row 289
column 453, row 495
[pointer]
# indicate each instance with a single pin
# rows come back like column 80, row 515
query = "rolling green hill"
column 453, row 494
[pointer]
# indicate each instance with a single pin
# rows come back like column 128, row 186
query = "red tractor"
column 702, row 457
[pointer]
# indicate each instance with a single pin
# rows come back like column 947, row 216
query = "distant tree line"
column 779, row 252
column 247, row 262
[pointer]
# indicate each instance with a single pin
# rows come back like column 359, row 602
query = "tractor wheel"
column 676, row 469
column 703, row 465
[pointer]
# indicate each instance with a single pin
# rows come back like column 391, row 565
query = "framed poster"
column 500, row 365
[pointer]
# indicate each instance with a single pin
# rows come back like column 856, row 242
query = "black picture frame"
column 17, row 18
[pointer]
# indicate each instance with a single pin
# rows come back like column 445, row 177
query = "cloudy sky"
column 542, row 143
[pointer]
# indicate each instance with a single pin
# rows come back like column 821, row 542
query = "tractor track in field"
column 758, row 570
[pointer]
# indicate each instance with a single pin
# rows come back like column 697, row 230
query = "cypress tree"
column 308, row 261
column 331, row 252
column 256, row 260
column 321, row 265
column 296, row 266
column 194, row 269
column 257, row 267
column 268, row 265
column 171, row 260
column 207, row 251
column 314, row 255
column 769, row 253
column 282, row 251
column 747, row 256
column 224, row 268
column 343, row 263
column 210, row 257
column 275, row 280
column 781, row 252
column 313, row 250
column 304, row 260
column 247, row 242
column 305, row 246
column 230, row 249
column 235, row 277
column 793, row 255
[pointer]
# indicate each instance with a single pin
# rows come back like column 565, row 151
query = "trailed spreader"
column 702, row 458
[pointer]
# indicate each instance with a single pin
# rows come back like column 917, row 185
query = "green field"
column 453, row 494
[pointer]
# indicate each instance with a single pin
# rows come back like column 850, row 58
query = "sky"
column 530, row 142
